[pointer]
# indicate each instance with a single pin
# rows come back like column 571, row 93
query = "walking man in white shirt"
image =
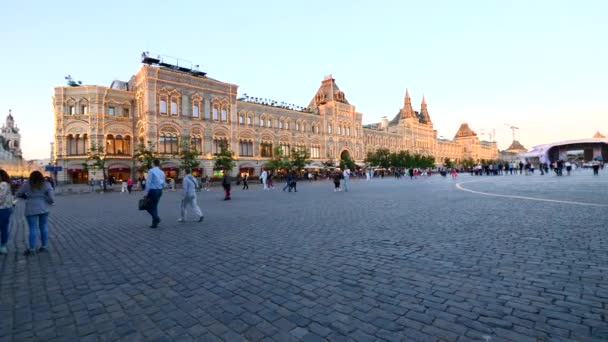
column 264, row 177
column 189, row 198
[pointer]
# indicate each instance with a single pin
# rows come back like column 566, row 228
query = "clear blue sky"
column 539, row 65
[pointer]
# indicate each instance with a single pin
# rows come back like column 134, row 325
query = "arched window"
column 126, row 145
column 168, row 141
column 174, row 106
column 281, row 124
column 215, row 113
column 162, row 105
column 197, row 104
column 249, row 120
column 224, row 115
column 219, row 143
column 286, row 124
column 297, row 126
column 246, row 148
column 110, row 144
column 269, row 122
column 241, row 119
column 196, row 142
column 262, row 121
column 328, row 128
column 266, row 149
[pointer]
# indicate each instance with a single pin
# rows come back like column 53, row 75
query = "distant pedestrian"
column 337, row 177
column 346, row 176
column 264, row 179
column 454, row 173
column 123, row 186
column 226, row 184
column 129, row 185
column 38, row 196
column 207, row 183
column 189, row 198
column 270, row 181
column 6, row 209
column 154, row 187
column 246, row 182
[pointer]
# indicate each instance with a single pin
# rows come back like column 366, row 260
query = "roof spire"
column 425, row 118
column 407, row 111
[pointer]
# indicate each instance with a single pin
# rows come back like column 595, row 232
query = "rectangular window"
column 249, row 120
column 173, row 108
column 215, row 114
column 261, row 122
column 195, row 112
column 112, row 111
column 163, row 107
column 240, row 119
column 224, row 115
column 84, row 110
column 71, row 110
column 125, row 112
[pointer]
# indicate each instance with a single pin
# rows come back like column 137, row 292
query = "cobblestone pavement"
column 391, row 260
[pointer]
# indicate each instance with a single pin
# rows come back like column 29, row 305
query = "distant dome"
column 599, row 135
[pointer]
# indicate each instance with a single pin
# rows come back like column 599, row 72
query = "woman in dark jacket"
column 38, row 195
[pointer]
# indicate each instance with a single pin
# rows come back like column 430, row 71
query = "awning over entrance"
column 119, row 167
column 75, row 168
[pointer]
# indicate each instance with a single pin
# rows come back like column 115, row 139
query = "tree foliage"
column 188, row 155
column 144, row 155
column 279, row 160
column 298, row 158
column 224, row 160
column 402, row 159
column 346, row 162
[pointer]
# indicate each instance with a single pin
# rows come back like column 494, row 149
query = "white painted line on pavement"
column 459, row 187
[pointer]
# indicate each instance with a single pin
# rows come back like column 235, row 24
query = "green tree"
column 346, row 162
column 468, row 163
column 97, row 155
column 330, row 164
column 224, row 160
column 144, row 155
column 279, row 160
column 299, row 158
column 371, row 159
column 188, row 155
column 447, row 162
column 383, row 156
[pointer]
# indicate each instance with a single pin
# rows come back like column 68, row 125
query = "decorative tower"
column 10, row 137
column 407, row 112
column 425, row 118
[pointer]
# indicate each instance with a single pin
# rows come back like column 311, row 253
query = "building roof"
column 465, row 131
column 328, row 91
column 598, row 135
column 516, row 146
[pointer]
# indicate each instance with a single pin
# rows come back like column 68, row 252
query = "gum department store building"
column 164, row 103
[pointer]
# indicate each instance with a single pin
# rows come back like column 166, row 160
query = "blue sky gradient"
column 539, row 65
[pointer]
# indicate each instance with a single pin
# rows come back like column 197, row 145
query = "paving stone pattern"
column 389, row 261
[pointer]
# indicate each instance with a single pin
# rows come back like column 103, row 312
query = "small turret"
column 425, row 118
column 407, row 112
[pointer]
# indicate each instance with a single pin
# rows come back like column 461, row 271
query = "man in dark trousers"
column 246, row 182
column 226, row 184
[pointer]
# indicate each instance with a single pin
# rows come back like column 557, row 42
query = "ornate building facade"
column 166, row 104
column 10, row 139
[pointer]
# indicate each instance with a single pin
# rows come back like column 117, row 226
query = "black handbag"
column 143, row 203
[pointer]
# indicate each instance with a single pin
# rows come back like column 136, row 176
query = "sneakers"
column 42, row 249
column 200, row 219
column 29, row 252
column 3, row 250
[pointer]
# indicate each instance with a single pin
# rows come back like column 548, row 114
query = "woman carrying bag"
column 38, row 195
